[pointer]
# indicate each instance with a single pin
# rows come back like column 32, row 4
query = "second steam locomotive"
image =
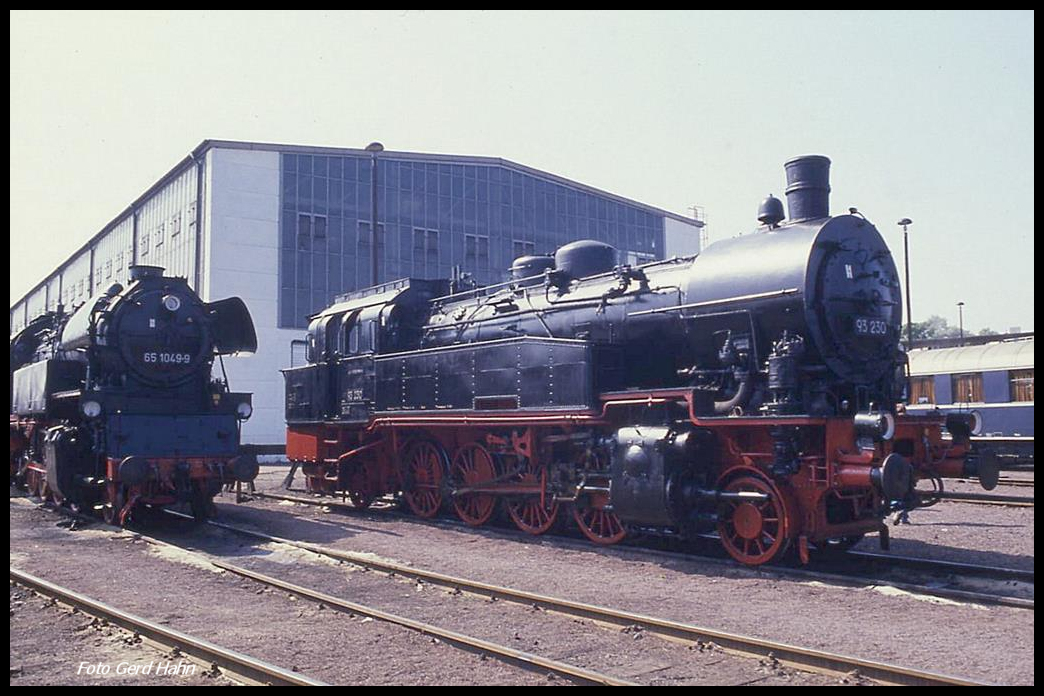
column 114, row 407
column 750, row 390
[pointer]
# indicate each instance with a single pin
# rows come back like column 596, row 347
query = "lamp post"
column 905, row 222
column 373, row 148
column 960, row 314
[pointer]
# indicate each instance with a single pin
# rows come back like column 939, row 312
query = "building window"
column 159, row 235
column 1021, row 385
column 311, row 231
column 175, row 225
column 425, row 253
column 922, row 390
column 522, row 249
column 967, row 388
column 476, row 254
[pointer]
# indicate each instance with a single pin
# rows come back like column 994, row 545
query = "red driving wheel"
column 754, row 531
column 423, row 466
column 473, row 466
column 533, row 514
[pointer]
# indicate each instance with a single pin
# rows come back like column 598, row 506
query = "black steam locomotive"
column 114, row 407
column 750, row 389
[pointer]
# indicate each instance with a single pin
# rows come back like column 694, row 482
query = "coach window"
column 1021, row 385
column 967, row 388
column 922, row 390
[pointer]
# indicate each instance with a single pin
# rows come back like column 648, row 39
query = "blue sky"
column 927, row 115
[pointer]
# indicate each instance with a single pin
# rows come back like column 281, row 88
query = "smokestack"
column 137, row 272
column 808, row 187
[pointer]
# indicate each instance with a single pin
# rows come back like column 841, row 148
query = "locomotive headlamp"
column 171, row 303
column 91, row 409
column 244, row 411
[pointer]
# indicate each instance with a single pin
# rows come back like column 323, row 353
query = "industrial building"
column 288, row 227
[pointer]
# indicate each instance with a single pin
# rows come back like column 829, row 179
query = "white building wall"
column 241, row 258
column 680, row 238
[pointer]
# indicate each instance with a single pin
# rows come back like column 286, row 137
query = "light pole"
column 960, row 314
column 373, row 148
column 906, row 260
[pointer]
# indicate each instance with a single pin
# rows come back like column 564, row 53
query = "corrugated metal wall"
column 167, row 227
column 166, row 236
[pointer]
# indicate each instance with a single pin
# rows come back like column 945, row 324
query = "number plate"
column 868, row 326
column 161, row 358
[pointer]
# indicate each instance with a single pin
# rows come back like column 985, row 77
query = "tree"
column 934, row 327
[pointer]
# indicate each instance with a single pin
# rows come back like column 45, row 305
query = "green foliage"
column 937, row 327
column 934, row 327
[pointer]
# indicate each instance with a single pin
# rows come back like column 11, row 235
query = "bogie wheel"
column 473, row 466
column 201, row 503
column 423, row 466
column 533, row 514
column 598, row 524
column 362, row 486
column 754, row 531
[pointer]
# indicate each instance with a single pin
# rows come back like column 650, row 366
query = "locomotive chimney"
column 137, row 272
column 808, row 187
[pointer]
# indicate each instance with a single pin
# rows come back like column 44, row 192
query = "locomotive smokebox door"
column 639, row 476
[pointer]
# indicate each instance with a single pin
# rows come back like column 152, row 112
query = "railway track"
column 243, row 668
column 187, row 644
column 836, row 571
column 1017, row 482
column 981, row 499
column 785, row 654
column 794, row 656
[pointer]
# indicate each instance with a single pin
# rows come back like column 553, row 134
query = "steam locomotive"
column 750, row 390
column 113, row 407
